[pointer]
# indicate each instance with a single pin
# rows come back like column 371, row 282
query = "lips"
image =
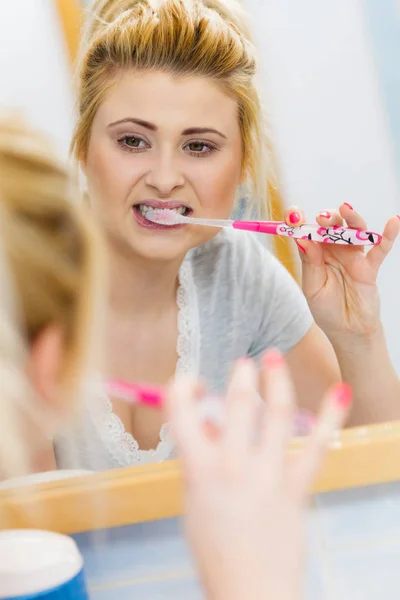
column 140, row 209
column 168, row 204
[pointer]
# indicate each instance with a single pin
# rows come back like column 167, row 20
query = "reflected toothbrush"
column 136, row 393
column 312, row 231
column 210, row 408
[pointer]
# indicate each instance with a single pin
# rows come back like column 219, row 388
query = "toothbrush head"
column 165, row 216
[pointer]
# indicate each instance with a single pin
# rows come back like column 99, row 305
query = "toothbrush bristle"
column 163, row 216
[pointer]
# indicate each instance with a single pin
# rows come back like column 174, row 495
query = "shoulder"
column 244, row 290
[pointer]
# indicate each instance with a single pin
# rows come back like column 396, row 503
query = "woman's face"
column 168, row 141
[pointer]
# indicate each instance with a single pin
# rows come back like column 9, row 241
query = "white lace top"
column 234, row 299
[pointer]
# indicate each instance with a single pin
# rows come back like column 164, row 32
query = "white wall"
column 328, row 118
column 34, row 67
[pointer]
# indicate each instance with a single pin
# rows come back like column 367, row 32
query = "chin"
column 159, row 245
column 161, row 249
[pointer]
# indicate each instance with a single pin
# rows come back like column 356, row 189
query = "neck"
column 140, row 286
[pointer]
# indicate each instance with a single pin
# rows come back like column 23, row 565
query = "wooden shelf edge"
column 359, row 457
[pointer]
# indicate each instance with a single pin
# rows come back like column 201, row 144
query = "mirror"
column 333, row 111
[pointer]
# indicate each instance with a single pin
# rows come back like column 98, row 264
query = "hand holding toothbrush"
column 340, row 284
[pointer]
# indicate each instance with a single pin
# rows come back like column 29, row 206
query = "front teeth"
column 143, row 209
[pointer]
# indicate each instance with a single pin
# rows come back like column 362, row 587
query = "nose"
column 165, row 175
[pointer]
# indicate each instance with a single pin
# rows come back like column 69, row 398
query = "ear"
column 45, row 364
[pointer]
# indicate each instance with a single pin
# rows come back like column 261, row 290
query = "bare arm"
column 367, row 365
column 314, row 368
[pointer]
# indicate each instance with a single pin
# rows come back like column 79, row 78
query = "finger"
column 212, row 431
column 378, row 253
column 212, row 413
column 329, row 218
column 242, row 405
column 311, row 253
column 294, row 216
column 334, row 411
column 277, row 426
column 352, row 217
column 182, row 396
column 314, row 270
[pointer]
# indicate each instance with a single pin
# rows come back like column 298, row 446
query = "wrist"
column 352, row 345
column 259, row 593
column 258, row 584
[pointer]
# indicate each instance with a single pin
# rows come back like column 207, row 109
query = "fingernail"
column 301, row 247
column 348, row 205
column 212, row 431
column 294, row 218
column 325, row 214
column 273, row 359
column 398, row 216
column 343, row 395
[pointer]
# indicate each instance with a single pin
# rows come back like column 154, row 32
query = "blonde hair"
column 50, row 274
column 207, row 38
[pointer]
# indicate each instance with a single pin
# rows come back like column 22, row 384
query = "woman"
column 169, row 115
column 340, row 286
column 51, row 281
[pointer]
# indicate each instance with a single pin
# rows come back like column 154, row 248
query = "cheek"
column 108, row 175
column 218, row 184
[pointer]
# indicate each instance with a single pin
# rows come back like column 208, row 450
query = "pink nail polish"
column 301, row 247
column 348, row 205
column 325, row 214
column 398, row 216
column 294, row 218
column 343, row 395
column 273, row 359
column 212, row 431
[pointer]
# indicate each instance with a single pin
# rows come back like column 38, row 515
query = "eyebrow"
column 145, row 124
column 200, row 130
column 152, row 127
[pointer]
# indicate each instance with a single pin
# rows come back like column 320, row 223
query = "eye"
column 197, row 147
column 132, row 143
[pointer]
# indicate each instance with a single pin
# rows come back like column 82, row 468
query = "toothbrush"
column 313, row 232
column 210, row 407
column 136, row 393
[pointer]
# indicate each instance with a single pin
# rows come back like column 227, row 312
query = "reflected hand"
column 245, row 502
column 339, row 282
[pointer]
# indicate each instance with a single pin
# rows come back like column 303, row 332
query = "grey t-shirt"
column 235, row 299
column 247, row 303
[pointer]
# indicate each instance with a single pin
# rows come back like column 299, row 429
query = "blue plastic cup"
column 40, row 565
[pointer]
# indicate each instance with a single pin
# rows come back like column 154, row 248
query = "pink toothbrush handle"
column 326, row 235
column 134, row 393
